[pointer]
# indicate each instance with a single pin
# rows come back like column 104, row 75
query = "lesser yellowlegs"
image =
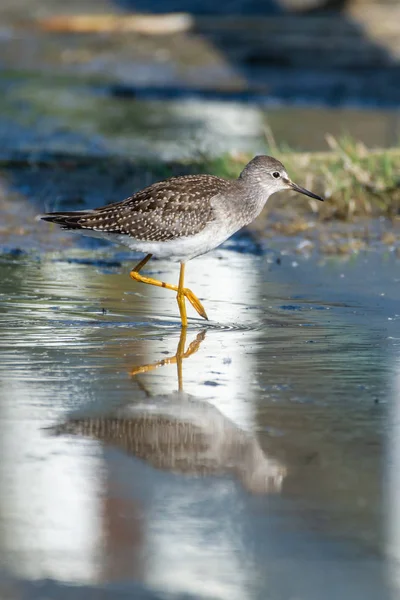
column 183, row 217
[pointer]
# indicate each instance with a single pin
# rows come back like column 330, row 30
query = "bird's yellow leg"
column 181, row 298
column 141, row 264
column 182, row 292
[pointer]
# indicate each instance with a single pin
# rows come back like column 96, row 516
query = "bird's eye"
column 276, row 174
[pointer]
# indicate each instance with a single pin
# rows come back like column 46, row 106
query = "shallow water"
column 272, row 475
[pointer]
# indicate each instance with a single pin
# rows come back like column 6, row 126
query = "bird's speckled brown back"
column 167, row 210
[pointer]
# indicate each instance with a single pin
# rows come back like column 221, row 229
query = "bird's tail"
column 66, row 220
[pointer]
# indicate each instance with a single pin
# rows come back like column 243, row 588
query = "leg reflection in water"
column 183, row 434
column 177, row 359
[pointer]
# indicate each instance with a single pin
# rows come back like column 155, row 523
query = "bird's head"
column 270, row 174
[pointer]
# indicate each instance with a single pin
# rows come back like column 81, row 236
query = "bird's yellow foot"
column 195, row 302
column 182, row 291
column 187, row 293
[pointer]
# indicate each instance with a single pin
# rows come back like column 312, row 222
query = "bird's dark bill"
column 301, row 190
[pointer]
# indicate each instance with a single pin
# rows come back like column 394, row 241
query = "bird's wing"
column 170, row 209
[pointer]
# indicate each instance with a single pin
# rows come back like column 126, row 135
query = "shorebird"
column 183, row 217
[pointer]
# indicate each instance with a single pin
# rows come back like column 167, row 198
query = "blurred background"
column 157, row 79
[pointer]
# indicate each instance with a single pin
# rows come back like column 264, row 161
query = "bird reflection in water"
column 180, row 433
